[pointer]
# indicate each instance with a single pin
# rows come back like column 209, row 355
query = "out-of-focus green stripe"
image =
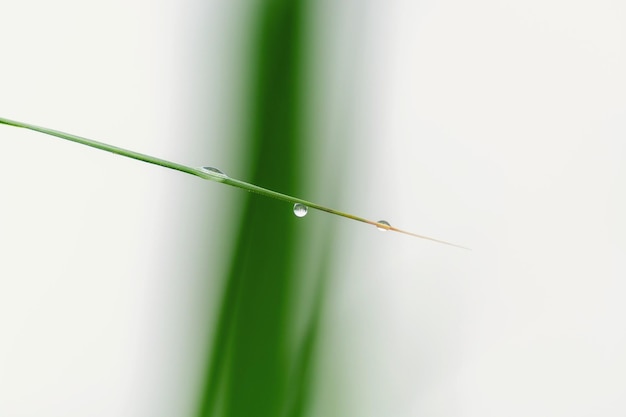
column 250, row 362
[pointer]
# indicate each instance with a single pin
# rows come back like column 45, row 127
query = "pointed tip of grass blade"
column 432, row 239
column 384, row 225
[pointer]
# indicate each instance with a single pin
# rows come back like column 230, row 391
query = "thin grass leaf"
column 214, row 175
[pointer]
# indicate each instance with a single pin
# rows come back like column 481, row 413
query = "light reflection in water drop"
column 381, row 228
column 214, row 172
column 300, row 210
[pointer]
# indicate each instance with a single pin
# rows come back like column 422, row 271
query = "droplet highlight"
column 382, row 228
column 300, row 210
column 214, row 172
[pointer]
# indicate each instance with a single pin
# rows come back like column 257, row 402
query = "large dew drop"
column 382, row 228
column 214, row 171
column 300, row 210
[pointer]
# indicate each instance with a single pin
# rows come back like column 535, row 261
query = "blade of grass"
column 249, row 363
column 305, row 362
column 206, row 174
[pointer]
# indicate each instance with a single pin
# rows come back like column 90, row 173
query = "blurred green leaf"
column 250, row 361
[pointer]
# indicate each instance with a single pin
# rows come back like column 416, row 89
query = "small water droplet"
column 214, row 171
column 381, row 228
column 300, row 210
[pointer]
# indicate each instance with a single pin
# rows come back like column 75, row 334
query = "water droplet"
column 300, row 210
column 381, row 228
column 214, row 171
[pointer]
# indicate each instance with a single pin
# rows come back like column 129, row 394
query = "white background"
column 496, row 125
column 103, row 309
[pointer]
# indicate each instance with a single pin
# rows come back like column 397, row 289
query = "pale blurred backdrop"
column 498, row 125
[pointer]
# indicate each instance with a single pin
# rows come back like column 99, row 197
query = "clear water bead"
column 214, row 171
column 381, row 228
column 300, row 210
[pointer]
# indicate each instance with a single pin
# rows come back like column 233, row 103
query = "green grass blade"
column 199, row 172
